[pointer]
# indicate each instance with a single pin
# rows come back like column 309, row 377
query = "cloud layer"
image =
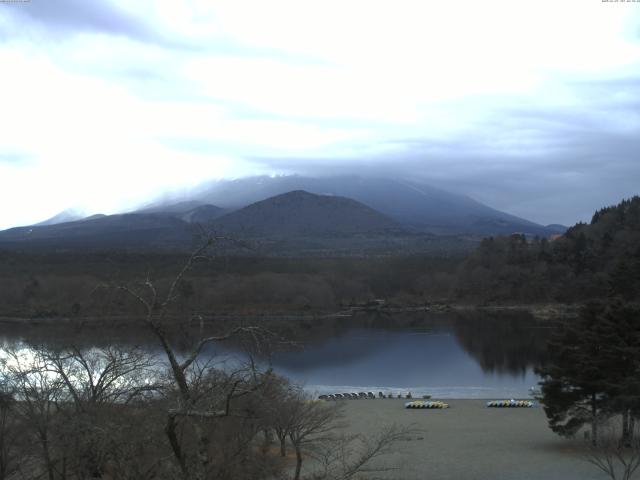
column 530, row 108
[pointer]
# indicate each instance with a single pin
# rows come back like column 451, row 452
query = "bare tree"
column 80, row 408
column 343, row 457
column 8, row 433
column 618, row 458
column 38, row 397
column 311, row 422
column 101, row 385
column 115, row 413
column 195, row 406
column 111, row 375
column 316, row 429
column 282, row 403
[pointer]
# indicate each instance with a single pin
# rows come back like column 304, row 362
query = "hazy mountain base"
column 364, row 245
column 155, row 233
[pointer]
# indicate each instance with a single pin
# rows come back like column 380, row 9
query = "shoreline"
column 543, row 311
column 445, row 393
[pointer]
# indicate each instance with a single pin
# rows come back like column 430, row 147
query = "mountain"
column 172, row 208
column 191, row 211
column 148, row 230
column 556, row 228
column 203, row 214
column 299, row 213
column 408, row 202
column 159, row 226
column 69, row 215
column 293, row 214
column 294, row 222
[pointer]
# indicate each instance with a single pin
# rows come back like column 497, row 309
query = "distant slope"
column 69, row 215
column 556, row 228
column 299, row 213
column 112, row 231
column 203, row 214
column 332, row 215
column 171, row 208
column 191, row 211
column 293, row 222
column 410, row 203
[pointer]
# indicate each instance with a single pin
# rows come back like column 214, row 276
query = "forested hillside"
column 592, row 260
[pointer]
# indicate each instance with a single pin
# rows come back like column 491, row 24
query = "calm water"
column 454, row 356
column 419, row 362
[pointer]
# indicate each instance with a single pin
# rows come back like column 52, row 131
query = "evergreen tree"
column 573, row 381
column 623, row 280
column 620, row 327
column 594, row 370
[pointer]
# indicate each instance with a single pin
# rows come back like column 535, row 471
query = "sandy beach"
column 471, row 441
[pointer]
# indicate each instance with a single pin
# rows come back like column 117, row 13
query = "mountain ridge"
column 398, row 216
column 302, row 213
column 412, row 204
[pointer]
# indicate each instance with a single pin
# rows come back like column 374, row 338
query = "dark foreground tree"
column 621, row 354
column 9, row 433
column 593, row 371
column 81, row 414
column 205, row 399
column 573, row 380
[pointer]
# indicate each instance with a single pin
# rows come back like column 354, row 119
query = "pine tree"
column 623, row 280
column 620, row 325
column 573, row 384
column 594, row 370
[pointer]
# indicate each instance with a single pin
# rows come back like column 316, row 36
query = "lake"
column 456, row 355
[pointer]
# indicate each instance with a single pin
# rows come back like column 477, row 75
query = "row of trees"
column 61, row 284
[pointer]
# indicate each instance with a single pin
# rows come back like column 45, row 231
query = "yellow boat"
column 426, row 404
column 510, row 404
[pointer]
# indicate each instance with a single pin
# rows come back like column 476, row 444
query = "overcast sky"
column 532, row 107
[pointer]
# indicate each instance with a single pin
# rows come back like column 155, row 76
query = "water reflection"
column 458, row 355
column 506, row 342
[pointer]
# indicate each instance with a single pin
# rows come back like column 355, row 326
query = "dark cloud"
column 67, row 17
column 83, row 15
column 547, row 164
column 569, row 163
column 73, row 16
